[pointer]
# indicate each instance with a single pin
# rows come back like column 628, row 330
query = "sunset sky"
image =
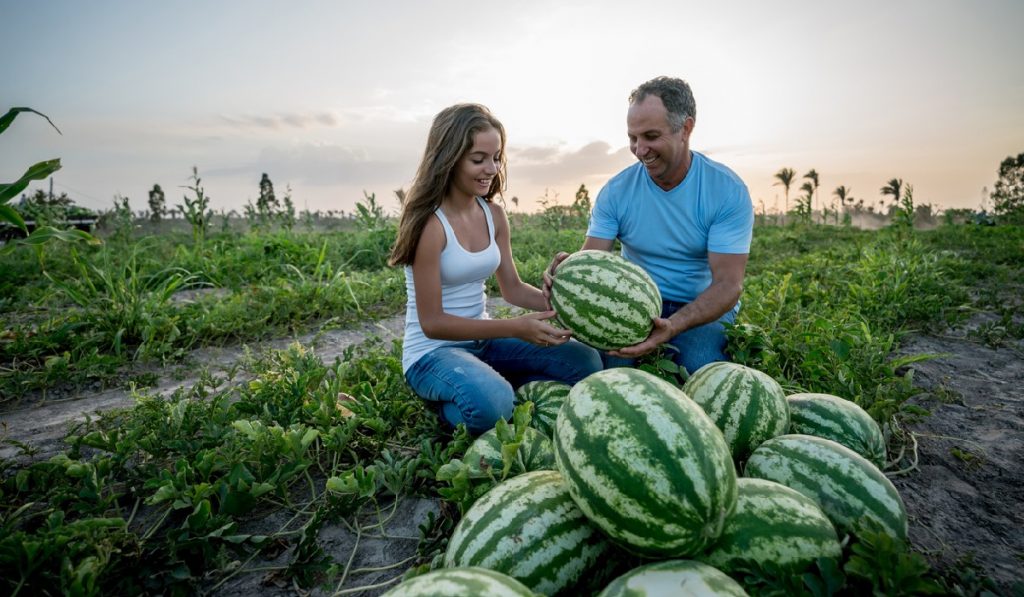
column 334, row 98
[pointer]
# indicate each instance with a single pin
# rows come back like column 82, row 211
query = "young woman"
column 451, row 238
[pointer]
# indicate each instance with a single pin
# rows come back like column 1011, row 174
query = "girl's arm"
column 513, row 289
column 439, row 325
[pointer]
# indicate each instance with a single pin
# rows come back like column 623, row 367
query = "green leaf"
column 8, row 118
column 44, row 234
column 35, row 172
column 9, row 214
column 308, row 438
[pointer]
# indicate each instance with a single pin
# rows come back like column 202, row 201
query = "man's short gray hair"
column 674, row 93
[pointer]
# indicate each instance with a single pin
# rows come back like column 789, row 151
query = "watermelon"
column 530, row 529
column 837, row 419
column 747, row 405
column 773, row 524
column 547, row 398
column 682, row 578
column 605, row 300
column 535, row 452
column 644, row 463
column 461, row 582
column 845, row 484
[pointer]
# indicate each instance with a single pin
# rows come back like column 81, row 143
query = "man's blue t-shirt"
column 669, row 233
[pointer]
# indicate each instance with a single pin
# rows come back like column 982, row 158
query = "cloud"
column 277, row 122
column 554, row 166
column 330, row 164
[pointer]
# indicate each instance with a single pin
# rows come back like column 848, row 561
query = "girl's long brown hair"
column 451, row 136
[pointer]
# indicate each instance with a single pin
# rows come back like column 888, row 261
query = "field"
column 227, row 414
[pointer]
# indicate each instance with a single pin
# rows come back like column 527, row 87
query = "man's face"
column 664, row 153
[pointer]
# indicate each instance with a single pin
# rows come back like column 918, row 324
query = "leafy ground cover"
column 281, row 469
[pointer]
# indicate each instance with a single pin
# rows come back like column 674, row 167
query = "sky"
column 334, row 99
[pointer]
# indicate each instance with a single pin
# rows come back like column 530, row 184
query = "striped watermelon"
column 844, row 483
column 683, row 578
column 645, row 463
column 773, row 524
column 605, row 300
column 547, row 398
column 535, row 451
column 747, row 405
column 461, row 582
column 832, row 417
column 529, row 528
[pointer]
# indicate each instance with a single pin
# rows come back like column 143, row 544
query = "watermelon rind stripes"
column 547, row 398
column 773, row 525
column 604, row 299
column 645, row 463
column 847, row 486
column 536, row 452
column 674, row 577
column 466, row 581
column 840, row 420
column 746, row 404
column 529, row 528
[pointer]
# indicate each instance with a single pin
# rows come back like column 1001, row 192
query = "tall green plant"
column 903, row 215
column 197, row 210
column 370, row 214
column 37, row 171
column 42, row 234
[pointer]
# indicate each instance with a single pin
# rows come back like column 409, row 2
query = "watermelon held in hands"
column 606, row 301
column 644, row 463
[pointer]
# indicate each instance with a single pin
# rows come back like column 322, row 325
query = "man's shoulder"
column 718, row 173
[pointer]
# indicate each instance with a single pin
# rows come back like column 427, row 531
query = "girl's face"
column 475, row 171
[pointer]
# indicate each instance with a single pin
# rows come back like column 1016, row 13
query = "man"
column 684, row 218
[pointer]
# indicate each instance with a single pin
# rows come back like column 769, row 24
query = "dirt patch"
column 966, row 500
column 42, row 426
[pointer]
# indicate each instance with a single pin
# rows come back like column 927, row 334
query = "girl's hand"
column 535, row 330
column 549, row 275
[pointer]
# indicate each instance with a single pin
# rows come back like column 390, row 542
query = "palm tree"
column 805, row 201
column 893, row 187
column 843, row 194
column 785, row 177
column 812, row 175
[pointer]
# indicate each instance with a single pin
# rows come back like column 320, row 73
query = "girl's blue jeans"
column 474, row 382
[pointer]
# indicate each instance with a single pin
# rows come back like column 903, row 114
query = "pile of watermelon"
column 645, row 479
column 655, row 486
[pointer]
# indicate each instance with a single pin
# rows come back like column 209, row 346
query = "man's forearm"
column 711, row 304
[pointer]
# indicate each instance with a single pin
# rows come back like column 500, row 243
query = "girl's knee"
column 489, row 402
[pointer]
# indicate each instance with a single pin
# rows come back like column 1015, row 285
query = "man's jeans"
column 696, row 346
column 473, row 382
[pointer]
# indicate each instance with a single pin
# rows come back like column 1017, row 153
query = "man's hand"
column 660, row 334
column 549, row 275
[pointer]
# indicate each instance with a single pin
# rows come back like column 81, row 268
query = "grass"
column 162, row 497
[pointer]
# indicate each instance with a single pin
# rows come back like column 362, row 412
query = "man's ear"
column 688, row 127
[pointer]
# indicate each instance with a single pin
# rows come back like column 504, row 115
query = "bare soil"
column 965, row 496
